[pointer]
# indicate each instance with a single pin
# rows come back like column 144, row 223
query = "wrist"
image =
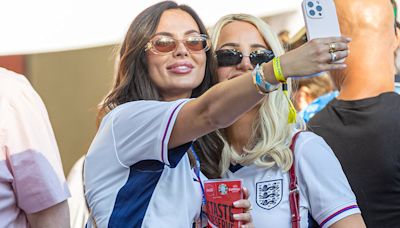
column 278, row 72
column 268, row 73
column 262, row 85
column 285, row 66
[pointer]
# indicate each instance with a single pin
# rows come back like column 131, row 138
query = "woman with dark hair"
column 139, row 171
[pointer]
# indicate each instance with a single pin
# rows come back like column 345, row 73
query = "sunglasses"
column 162, row 44
column 230, row 57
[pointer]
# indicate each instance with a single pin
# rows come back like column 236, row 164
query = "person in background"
column 33, row 190
column 397, row 54
column 140, row 165
column 256, row 147
column 362, row 124
column 311, row 95
column 397, row 84
column 78, row 210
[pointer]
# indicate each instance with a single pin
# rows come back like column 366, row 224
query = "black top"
column 365, row 136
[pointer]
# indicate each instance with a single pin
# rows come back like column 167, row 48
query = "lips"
column 180, row 68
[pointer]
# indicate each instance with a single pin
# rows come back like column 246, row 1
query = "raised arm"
column 221, row 105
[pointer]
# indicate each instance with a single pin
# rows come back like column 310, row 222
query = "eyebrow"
column 259, row 46
column 170, row 34
column 237, row 45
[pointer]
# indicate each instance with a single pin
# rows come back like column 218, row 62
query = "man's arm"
column 56, row 216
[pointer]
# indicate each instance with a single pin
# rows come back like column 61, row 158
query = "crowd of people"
column 187, row 106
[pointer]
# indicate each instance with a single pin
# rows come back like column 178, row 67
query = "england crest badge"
column 269, row 193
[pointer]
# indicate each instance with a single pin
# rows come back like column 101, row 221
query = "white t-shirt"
column 78, row 211
column 325, row 193
column 130, row 176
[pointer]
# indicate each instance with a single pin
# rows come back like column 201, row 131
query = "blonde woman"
column 256, row 147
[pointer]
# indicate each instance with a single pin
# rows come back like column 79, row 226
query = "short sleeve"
column 322, row 181
column 141, row 130
column 30, row 149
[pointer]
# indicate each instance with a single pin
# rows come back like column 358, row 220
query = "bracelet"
column 257, row 84
column 262, row 86
column 276, row 63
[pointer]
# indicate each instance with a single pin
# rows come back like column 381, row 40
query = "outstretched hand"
column 315, row 56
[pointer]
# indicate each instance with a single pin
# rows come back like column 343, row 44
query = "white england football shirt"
column 130, row 176
column 325, row 193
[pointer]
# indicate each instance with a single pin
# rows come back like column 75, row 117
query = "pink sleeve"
column 31, row 151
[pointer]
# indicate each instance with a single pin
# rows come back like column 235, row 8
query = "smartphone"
column 220, row 195
column 320, row 19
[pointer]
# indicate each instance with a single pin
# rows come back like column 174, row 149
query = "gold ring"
column 332, row 47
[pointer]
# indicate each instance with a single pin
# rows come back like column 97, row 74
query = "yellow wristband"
column 292, row 111
column 276, row 63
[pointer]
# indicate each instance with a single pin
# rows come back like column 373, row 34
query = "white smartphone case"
column 320, row 19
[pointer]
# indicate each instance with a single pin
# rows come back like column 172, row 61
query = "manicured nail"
column 235, row 216
column 236, row 203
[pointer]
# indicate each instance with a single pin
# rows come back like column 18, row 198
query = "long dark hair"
column 133, row 83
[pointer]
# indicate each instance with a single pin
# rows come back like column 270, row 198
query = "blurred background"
column 67, row 50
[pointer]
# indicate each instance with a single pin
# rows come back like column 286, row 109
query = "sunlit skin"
column 370, row 71
column 176, row 74
column 244, row 37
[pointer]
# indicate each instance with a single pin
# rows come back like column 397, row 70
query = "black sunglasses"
column 230, row 57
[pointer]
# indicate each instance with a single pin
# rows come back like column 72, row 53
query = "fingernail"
column 348, row 39
column 235, row 216
column 236, row 203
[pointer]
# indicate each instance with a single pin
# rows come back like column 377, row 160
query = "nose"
column 245, row 64
column 181, row 50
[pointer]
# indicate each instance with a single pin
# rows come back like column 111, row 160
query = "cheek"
column 151, row 62
column 201, row 61
column 223, row 73
column 154, row 64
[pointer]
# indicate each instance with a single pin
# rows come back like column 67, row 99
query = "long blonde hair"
column 269, row 143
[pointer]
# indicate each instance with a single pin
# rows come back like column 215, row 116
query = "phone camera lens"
column 319, row 8
column 310, row 4
column 312, row 12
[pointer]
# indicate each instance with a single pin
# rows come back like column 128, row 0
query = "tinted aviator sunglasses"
column 230, row 57
column 162, row 44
